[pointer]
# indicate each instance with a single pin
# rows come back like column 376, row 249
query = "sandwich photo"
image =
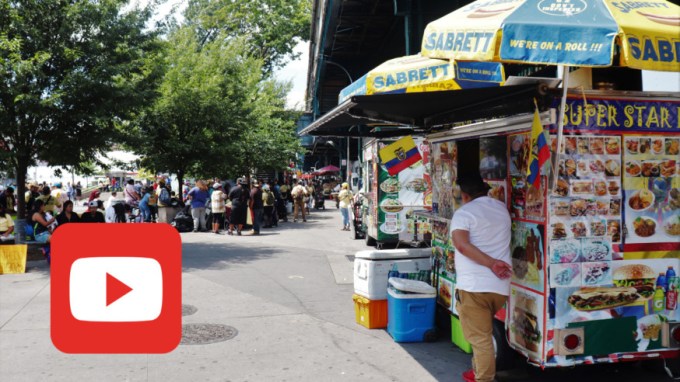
column 525, row 323
column 590, row 299
column 638, row 276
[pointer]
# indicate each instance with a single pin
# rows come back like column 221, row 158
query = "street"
column 286, row 296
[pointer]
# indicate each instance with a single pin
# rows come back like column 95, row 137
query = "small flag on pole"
column 540, row 151
column 400, row 155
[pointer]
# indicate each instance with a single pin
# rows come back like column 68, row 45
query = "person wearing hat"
column 92, row 215
column 345, row 200
column 218, row 208
column 257, row 205
column 51, row 203
column 239, row 197
column 481, row 233
column 299, row 192
column 59, row 194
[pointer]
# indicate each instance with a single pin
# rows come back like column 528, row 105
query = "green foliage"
column 271, row 28
column 69, row 69
column 215, row 116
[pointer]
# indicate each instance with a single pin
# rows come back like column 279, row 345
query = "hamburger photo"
column 638, row 276
column 525, row 323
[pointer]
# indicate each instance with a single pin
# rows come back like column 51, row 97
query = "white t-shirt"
column 488, row 222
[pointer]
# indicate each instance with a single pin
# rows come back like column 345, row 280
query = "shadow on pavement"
column 214, row 256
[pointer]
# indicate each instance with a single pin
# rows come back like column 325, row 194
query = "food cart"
column 389, row 201
column 595, row 257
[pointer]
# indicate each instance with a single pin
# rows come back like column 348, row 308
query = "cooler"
column 370, row 313
column 457, row 336
column 411, row 309
column 371, row 268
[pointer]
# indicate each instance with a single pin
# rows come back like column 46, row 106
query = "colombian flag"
column 540, row 151
column 400, row 155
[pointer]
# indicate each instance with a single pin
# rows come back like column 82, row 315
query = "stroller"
column 183, row 222
column 319, row 200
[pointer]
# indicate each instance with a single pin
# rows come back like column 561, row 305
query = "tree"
column 69, row 71
column 205, row 100
column 271, row 28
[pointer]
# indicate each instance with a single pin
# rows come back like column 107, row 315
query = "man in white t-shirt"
column 481, row 232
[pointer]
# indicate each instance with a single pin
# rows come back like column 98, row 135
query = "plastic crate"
column 370, row 313
column 457, row 336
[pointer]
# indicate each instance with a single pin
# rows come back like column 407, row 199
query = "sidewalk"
column 279, row 290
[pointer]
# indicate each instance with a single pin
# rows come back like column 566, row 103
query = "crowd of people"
column 264, row 204
column 215, row 206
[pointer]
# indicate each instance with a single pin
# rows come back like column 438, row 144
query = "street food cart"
column 389, row 201
column 595, row 256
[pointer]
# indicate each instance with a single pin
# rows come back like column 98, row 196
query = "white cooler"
column 372, row 267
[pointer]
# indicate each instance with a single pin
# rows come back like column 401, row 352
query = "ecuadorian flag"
column 540, row 151
column 400, row 155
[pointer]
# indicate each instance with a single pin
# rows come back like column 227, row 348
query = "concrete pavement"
column 287, row 292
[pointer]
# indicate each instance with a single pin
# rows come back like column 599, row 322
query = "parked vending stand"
column 595, row 258
column 390, row 200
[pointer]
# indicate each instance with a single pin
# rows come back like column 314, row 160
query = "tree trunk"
column 180, row 181
column 21, row 169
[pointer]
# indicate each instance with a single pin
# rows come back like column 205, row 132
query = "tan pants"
column 476, row 311
column 299, row 207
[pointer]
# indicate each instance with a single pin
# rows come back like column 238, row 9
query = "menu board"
column 526, row 321
column 652, row 189
column 587, row 198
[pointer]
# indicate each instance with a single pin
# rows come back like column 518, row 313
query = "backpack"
column 165, row 197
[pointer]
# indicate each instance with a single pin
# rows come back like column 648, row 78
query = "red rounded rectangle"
column 131, row 254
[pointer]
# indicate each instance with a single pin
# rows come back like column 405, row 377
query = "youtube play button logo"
column 105, row 302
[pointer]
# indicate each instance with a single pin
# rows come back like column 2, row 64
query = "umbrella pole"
column 560, row 125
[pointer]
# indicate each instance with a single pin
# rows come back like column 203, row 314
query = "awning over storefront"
column 385, row 115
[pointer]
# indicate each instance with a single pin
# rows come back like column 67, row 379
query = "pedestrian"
column 92, row 215
column 153, row 204
column 239, row 197
column 30, row 197
column 268, row 200
column 131, row 195
column 42, row 225
column 164, row 202
column 481, row 232
column 50, row 203
column 345, row 199
column 299, row 192
column 144, row 206
column 217, row 206
column 7, row 200
column 67, row 215
column 79, row 191
column 257, row 205
column 199, row 198
column 6, row 226
column 113, row 198
column 309, row 200
column 70, row 191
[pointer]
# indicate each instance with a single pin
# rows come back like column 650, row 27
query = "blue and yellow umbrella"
column 560, row 32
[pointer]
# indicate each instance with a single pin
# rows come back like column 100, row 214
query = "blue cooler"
column 410, row 310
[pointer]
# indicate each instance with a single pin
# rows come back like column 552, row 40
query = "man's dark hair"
column 10, row 190
column 473, row 185
column 46, row 190
column 131, row 181
column 37, row 204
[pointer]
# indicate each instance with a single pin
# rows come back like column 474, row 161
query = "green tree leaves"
column 69, row 69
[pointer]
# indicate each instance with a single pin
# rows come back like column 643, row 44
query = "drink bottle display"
column 659, row 299
column 670, row 274
column 672, row 294
column 661, row 282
